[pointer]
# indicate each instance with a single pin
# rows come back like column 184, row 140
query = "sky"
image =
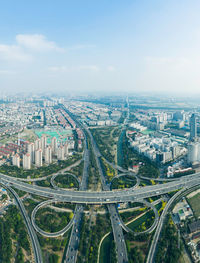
column 100, row 46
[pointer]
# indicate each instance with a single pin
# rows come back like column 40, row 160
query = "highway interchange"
column 103, row 197
column 106, row 196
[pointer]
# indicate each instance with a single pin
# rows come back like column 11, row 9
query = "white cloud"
column 158, row 60
column 6, row 72
column 12, row 52
column 93, row 68
column 171, row 62
column 37, row 42
column 77, row 47
column 26, row 46
column 61, row 69
column 89, row 67
column 111, row 68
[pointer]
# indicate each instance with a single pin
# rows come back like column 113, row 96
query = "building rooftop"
column 195, row 226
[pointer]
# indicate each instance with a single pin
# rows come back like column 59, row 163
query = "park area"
column 61, row 135
column 123, row 182
column 194, row 201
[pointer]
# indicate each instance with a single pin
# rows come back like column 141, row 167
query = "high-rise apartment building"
column 38, row 144
column 66, row 147
column 48, row 155
column 61, row 153
column 31, row 150
column 43, row 142
column 16, row 160
column 38, row 157
column 54, row 145
column 27, row 161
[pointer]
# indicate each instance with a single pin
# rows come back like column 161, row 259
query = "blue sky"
column 113, row 45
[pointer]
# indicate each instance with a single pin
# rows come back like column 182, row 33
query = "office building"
column 179, row 115
column 193, row 153
column 193, row 127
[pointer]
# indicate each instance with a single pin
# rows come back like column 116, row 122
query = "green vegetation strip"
column 107, row 251
column 122, row 182
column 13, row 237
column 40, row 171
column 143, row 222
column 52, row 221
column 194, row 203
column 168, row 250
column 66, row 181
column 105, row 142
column 90, row 236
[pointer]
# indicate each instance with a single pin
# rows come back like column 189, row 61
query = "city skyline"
column 102, row 164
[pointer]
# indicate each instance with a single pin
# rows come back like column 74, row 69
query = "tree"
column 4, row 197
column 71, row 215
column 53, row 258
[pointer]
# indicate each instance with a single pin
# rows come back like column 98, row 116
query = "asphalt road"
column 105, row 196
column 55, row 175
column 111, row 198
column 34, row 240
column 72, row 250
column 42, row 232
column 120, row 243
column 102, row 197
column 153, row 226
column 151, row 254
column 121, row 251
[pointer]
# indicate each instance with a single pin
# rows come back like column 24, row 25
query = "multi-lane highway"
column 114, row 217
column 72, row 250
column 122, row 256
column 103, row 197
column 106, row 197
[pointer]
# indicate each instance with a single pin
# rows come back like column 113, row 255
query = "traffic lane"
column 118, row 234
column 104, row 196
column 99, row 194
column 72, row 249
